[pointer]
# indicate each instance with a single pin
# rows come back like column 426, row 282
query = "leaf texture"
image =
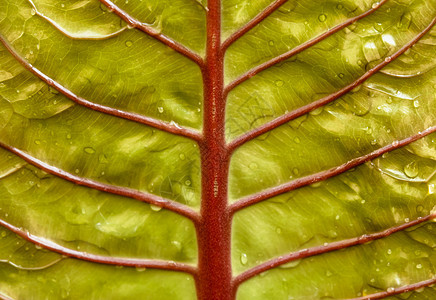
column 214, row 149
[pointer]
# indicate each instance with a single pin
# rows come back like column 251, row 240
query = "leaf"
column 214, row 149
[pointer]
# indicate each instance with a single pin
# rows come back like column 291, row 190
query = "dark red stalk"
column 255, row 21
column 298, row 49
column 396, row 291
column 119, row 261
column 112, row 189
column 214, row 230
column 323, row 175
column 317, row 250
column 323, row 101
column 189, row 133
column 149, row 30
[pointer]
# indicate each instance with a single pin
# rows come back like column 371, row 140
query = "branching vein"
column 323, row 175
column 317, row 250
column 112, row 189
column 323, row 101
column 399, row 290
column 255, row 21
column 164, row 126
column 119, row 261
column 153, row 33
column 298, row 49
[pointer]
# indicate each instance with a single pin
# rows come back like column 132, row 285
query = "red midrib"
column 213, row 275
column 214, row 229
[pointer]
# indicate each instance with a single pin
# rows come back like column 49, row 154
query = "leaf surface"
column 128, row 151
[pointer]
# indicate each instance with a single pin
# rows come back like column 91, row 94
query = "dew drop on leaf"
column 322, row 18
column 419, row 266
column 160, row 109
column 38, row 142
column 182, row 156
column 140, row 269
column 129, row 43
column 411, row 169
column 339, row 6
column 244, row 259
column 416, row 103
column 279, row 83
column 33, row 12
column 89, row 150
column 155, row 207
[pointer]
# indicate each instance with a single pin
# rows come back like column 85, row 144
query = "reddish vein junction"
column 213, row 275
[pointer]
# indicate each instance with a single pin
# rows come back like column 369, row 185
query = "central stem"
column 214, row 280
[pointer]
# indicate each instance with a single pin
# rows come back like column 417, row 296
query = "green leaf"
column 160, row 150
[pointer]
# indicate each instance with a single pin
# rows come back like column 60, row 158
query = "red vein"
column 318, row 103
column 119, row 261
column 323, row 175
column 255, row 21
column 153, row 33
column 317, row 250
column 298, row 49
column 4, row 297
column 112, row 189
column 396, row 291
column 168, row 127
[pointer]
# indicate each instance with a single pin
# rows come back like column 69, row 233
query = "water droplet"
column 160, row 109
column 389, row 251
column 317, row 111
column 360, row 62
column 431, row 188
column 253, row 166
column 188, row 182
column 405, row 21
column 340, row 75
column 271, row 43
column 416, row 103
column 89, row 150
column 411, row 169
column 129, row 43
column 3, row 234
column 279, row 230
column 390, row 290
column 77, row 171
column 395, row 143
column 297, row 140
column 244, row 259
column 182, row 156
column 322, row 18
column 378, row 26
column 68, row 136
column 339, row 6
column 375, row 5
column 291, row 264
column 419, row 266
column 328, row 273
column 419, row 208
column 140, row 269
column 155, row 207
column 33, row 12
column 388, row 59
column 279, row 83
column 295, row 171
column 363, row 201
column 38, row 142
